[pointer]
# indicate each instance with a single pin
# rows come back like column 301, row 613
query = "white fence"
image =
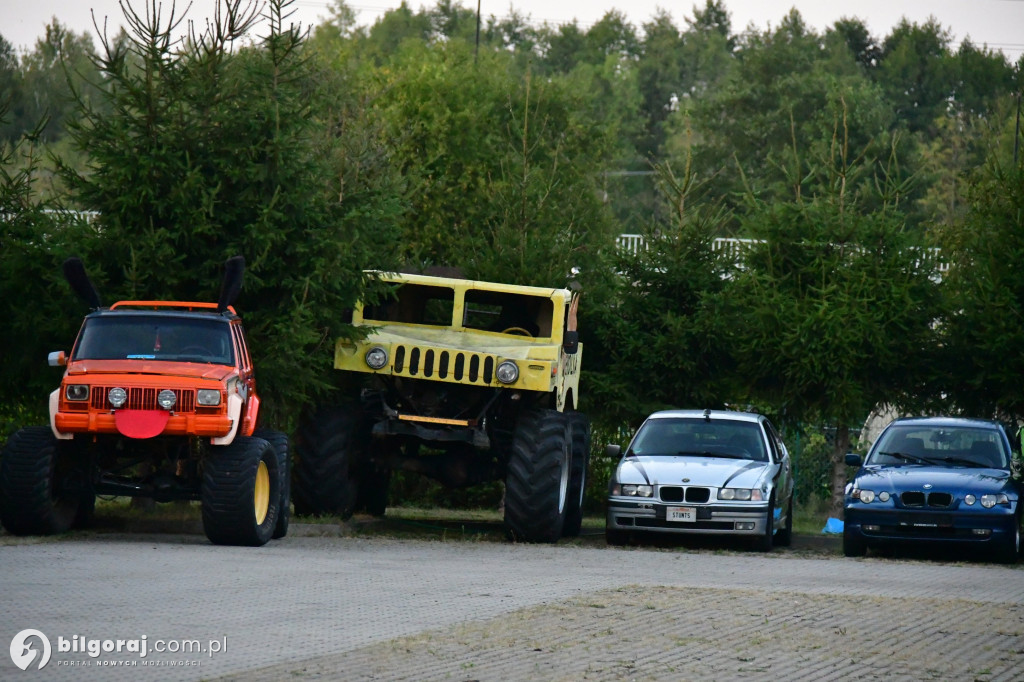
column 732, row 246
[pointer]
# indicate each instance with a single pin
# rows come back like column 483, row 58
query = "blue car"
column 938, row 480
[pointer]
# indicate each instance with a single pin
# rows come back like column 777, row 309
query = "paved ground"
column 344, row 608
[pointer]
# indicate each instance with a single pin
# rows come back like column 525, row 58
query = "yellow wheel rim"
column 261, row 495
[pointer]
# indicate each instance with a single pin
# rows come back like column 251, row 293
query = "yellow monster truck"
column 465, row 382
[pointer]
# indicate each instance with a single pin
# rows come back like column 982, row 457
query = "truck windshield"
column 155, row 337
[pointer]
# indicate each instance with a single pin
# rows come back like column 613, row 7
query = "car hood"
column 713, row 472
column 100, row 371
column 896, row 479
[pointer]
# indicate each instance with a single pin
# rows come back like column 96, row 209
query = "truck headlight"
column 117, row 396
column 376, row 357
column 77, row 392
column 209, row 397
column 507, row 372
column 166, row 398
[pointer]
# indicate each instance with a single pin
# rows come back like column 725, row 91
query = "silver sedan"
column 703, row 472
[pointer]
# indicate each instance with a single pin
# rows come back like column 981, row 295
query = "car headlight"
column 208, row 396
column 743, row 494
column 117, row 396
column 376, row 357
column 970, row 499
column 866, row 496
column 507, row 372
column 883, row 496
column 989, row 501
column 166, row 398
column 634, row 490
column 77, row 392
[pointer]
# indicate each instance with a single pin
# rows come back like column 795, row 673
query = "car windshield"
column 950, row 446
column 700, row 437
column 155, row 337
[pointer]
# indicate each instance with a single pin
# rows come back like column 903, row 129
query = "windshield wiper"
column 967, row 463
column 706, row 453
column 906, row 457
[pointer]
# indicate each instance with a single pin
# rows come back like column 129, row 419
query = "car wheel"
column 853, row 546
column 577, row 474
column 764, row 542
column 327, row 447
column 279, row 441
column 537, row 479
column 241, row 489
column 616, row 538
column 1010, row 552
column 784, row 536
column 35, row 495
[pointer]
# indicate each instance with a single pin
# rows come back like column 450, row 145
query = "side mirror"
column 854, row 460
column 571, row 342
column 613, row 450
column 57, row 359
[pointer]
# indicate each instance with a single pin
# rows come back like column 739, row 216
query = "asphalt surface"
column 323, row 605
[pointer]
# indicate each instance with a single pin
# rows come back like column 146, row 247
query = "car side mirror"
column 571, row 342
column 613, row 450
column 57, row 359
column 854, row 460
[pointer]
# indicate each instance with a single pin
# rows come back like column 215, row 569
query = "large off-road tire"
column 577, row 473
column 279, row 441
column 373, row 490
column 537, row 481
column 43, row 487
column 241, row 491
column 784, row 535
column 327, row 449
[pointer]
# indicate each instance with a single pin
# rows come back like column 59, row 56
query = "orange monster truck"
column 158, row 401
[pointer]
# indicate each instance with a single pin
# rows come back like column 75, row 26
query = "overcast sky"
column 997, row 23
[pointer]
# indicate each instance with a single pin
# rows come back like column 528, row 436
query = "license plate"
column 683, row 514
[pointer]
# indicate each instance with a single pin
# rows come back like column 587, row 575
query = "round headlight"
column 376, row 357
column 867, row 495
column 208, row 396
column 507, row 372
column 883, row 496
column 970, row 499
column 166, row 398
column 117, row 396
column 77, row 392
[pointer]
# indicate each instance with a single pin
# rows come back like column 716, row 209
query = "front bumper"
column 709, row 519
column 179, row 424
column 888, row 526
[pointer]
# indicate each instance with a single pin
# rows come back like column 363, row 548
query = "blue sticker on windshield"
column 141, row 357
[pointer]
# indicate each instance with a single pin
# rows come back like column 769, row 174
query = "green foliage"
column 215, row 151
column 983, row 334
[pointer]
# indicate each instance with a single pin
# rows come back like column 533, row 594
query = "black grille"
column 676, row 493
column 698, row 494
column 671, row 493
column 939, row 499
column 913, row 498
column 143, row 399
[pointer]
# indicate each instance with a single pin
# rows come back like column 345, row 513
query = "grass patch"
column 809, row 517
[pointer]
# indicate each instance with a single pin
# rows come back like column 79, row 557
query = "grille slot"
column 143, row 398
column 670, row 493
column 474, row 368
column 914, row 498
column 698, row 494
column 939, row 499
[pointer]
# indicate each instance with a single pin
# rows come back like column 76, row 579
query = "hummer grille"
column 460, row 366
